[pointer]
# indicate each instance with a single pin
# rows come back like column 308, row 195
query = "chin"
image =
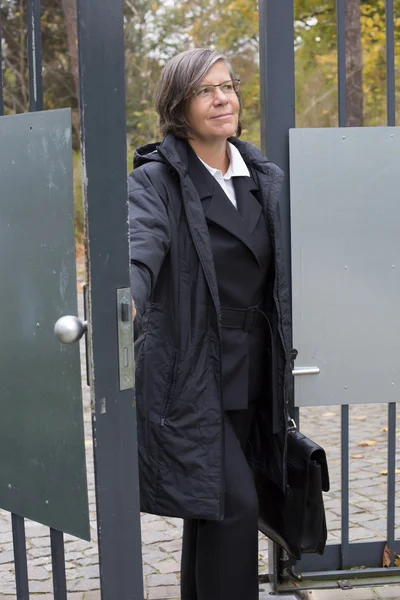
column 225, row 132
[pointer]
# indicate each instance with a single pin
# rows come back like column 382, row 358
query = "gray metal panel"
column 345, row 217
column 42, row 455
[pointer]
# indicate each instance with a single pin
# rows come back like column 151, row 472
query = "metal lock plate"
column 125, row 339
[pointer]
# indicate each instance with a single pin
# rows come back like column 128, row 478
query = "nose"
column 220, row 97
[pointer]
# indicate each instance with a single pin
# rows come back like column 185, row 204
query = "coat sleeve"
column 149, row 234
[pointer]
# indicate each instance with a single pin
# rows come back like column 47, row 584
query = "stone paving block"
column 167, row 566
column 172, row 546
column 154, row 555
column 338, row 594
column 37, row 573
column 6, row 557
column 83, row 585
column 160, row 580
column 151, row 537
column 42, row 587
column 164, row 593
column 91, row 596
column 148, row 570
column 357, row 534
column 387, row 592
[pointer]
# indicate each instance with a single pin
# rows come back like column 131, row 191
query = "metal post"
column 391, row 121
column 34, row 56
column 390, row 64
column 20, row 559
column 58, row 564
column 277, row 95
column 341, row 48
column 344, row 548
column 277, row 91
column 103, row 122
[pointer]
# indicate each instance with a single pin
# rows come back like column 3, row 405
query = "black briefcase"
column 296, row 520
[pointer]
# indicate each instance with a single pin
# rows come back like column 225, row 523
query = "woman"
column 212, row 325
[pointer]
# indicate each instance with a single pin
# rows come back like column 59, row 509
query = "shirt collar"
column 237, row 166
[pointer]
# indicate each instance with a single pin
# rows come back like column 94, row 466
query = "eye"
column 205, row 91
column 227, row 87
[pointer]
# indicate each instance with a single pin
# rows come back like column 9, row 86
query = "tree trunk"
column 354, row 64
column 69, row 9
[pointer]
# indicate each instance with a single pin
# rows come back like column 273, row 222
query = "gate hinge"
column 345, row 585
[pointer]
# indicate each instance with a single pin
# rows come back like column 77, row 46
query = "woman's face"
column 211, row 113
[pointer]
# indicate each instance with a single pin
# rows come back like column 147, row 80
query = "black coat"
column 178, row 337
column 242, row 259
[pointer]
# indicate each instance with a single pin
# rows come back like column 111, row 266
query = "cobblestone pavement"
column 162, row 536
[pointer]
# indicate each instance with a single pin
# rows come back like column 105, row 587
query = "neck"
column 215, row 154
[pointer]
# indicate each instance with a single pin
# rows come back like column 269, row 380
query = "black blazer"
column 242, row 255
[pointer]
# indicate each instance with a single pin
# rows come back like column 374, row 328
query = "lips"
column 222, row 116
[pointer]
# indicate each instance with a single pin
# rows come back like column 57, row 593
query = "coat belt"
column 244, row 318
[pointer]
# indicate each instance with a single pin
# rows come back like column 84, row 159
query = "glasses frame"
column 235, row 84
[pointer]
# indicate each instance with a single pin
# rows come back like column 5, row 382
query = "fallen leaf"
column 384, row 429
column 357, row 456
column 397, row 472
column 368, row 443
column 359, row 418
column 387, row 557
column 396, row 560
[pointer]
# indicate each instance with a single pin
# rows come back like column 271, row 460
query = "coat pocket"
column 170, row 388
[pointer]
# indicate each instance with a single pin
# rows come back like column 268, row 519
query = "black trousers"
column 220, row 558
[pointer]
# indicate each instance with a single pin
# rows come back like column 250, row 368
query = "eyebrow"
column 207, row 83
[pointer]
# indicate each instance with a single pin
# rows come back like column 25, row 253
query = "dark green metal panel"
column 42, row 453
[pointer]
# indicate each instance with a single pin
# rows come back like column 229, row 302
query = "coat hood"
column 147, row 153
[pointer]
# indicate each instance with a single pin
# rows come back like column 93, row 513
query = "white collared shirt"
column 237, row 168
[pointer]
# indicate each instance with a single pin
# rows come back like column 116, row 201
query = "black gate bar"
column 58, row 563
column 20, row 559
column 103, row 124
column 341, row 52
column 390, row 64
column 391, row 121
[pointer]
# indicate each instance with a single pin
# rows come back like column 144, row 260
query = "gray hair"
column 179, row 79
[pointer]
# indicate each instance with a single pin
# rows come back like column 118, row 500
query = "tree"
column 354, row 64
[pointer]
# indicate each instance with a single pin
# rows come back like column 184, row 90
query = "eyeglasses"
column 228, row 87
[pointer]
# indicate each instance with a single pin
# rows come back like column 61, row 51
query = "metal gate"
column 345, row 563
column 42, row 469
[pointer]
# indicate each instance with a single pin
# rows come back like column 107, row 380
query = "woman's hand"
column 133, row 310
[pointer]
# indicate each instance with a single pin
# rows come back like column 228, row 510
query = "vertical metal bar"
column 341, row 48
column 103, row 115
column 20, row 560
column 277, row 97
column 34, row 56
column 342, row 89
column 345, row 487
column 391, row 482
column 58, row 563
column 390, row 64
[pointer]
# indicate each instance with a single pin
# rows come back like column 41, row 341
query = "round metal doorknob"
column 70, row 329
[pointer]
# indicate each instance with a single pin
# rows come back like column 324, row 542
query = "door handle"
column 306, row 371
column 70, row 329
